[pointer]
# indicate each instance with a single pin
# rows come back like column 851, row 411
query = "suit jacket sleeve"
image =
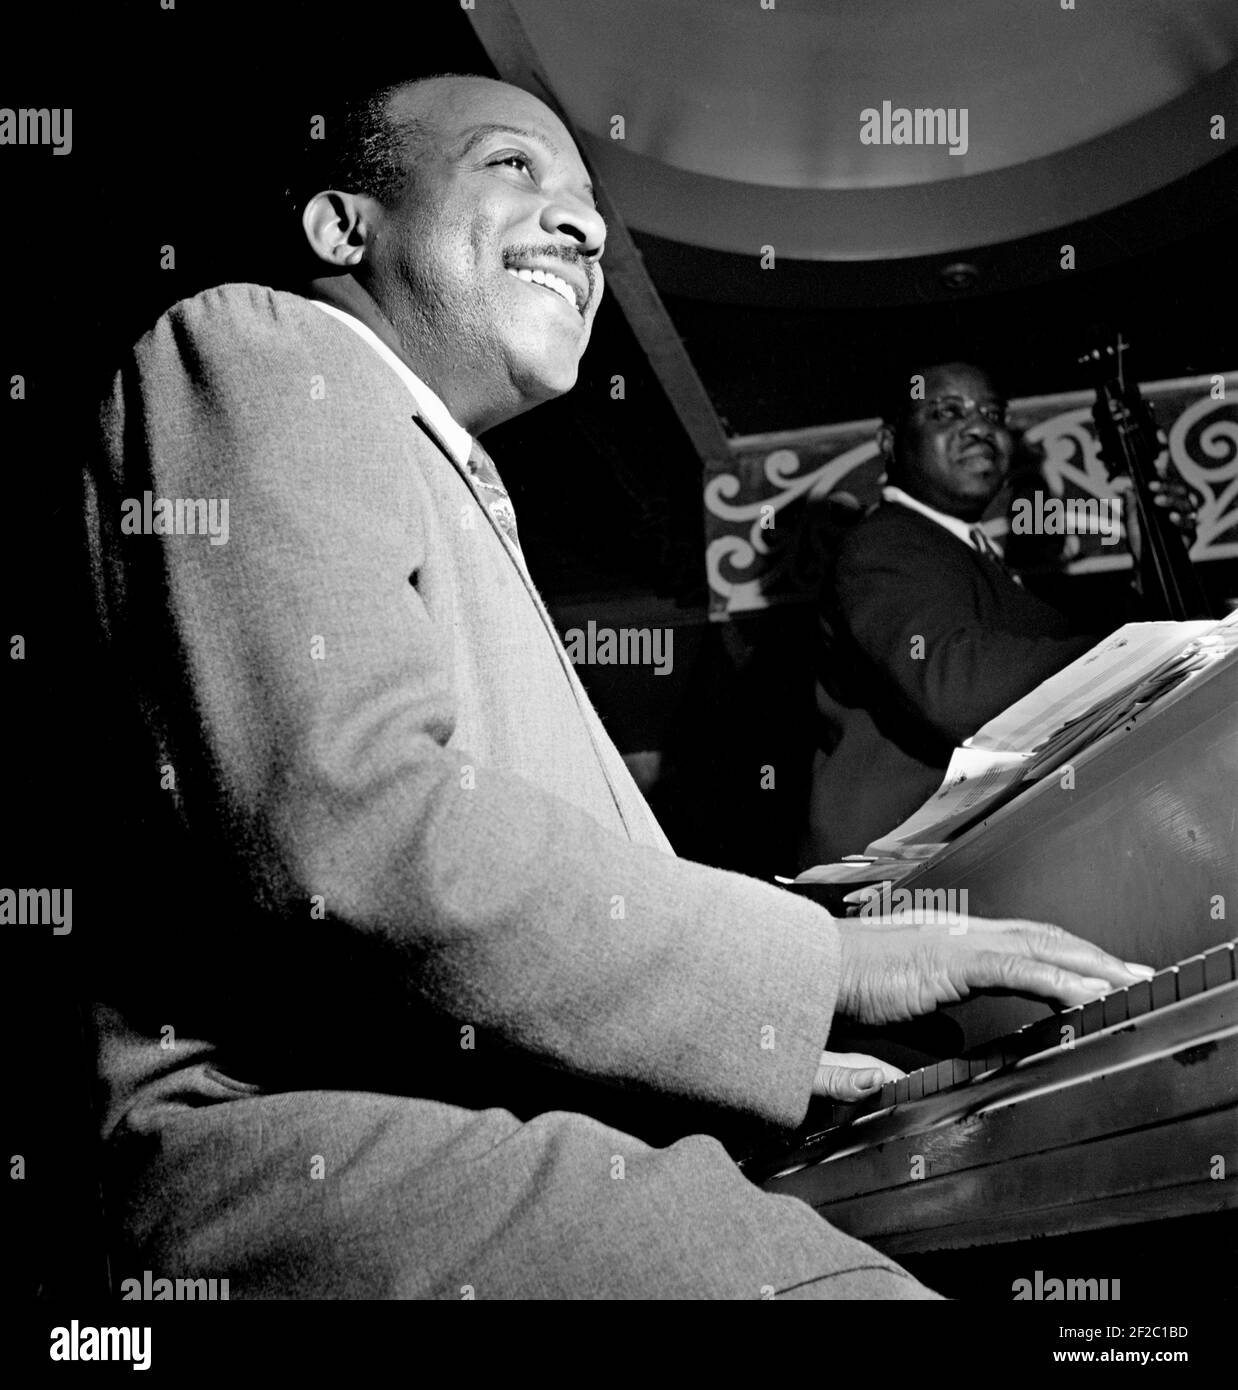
column 335, row 775
column 914, row 612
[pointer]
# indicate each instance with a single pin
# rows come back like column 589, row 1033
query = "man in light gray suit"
column 416, row 900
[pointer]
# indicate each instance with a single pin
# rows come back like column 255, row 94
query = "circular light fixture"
column 959, row 275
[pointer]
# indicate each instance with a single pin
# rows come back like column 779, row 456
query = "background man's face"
column 947, row 454
column 498, row 200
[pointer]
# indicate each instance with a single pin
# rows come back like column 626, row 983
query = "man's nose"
column 979, row 426
column 572, row 217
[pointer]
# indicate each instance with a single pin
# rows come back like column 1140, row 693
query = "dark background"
column 182, row 124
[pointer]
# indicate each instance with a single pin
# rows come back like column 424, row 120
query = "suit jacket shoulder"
column 370, row 717
column 937, row 629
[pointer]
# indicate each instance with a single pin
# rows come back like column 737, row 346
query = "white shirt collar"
column 457, row 440
column 953, row 524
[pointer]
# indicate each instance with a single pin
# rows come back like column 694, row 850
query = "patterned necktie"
column 490, row 487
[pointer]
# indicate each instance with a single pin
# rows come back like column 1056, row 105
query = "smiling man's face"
column 951, row 452
column 487, row 262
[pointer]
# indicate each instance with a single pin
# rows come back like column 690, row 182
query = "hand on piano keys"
column 850, row 1076
column 1160, row 1052
column 895, row 968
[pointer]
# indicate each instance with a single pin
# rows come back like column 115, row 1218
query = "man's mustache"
column 569, row 255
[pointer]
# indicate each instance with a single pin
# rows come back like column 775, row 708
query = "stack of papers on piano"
column 1071, row 711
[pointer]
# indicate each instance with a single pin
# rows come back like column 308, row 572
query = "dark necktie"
column 985, row 546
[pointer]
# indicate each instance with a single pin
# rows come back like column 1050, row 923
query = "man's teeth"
column 552, row 282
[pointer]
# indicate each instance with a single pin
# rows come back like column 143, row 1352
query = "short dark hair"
column 363, row 147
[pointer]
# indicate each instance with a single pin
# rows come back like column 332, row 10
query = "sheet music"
column 975, row 778
column 1096, row 693
column 1108, row 669
column 861, row 870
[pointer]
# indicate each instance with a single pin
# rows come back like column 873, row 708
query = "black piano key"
column 1218, row 966
column 1004, row 1051
column 1093, row 1019
column 1060, row 1031
column 1164, row 987
column 1072, row 1019
column 1139, row 999
column 1190, row 977
column 976, row 1064
column 865, row 1106
column 1038, row 1037
column 1115, row 1007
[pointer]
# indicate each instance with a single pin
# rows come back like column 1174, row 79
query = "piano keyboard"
column 844, row 1128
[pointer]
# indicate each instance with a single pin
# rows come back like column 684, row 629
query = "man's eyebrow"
column 483, row 132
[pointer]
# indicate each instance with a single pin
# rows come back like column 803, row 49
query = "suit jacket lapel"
column 597, row 735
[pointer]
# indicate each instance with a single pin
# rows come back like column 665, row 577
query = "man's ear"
column 885, row 444
column 338, row 226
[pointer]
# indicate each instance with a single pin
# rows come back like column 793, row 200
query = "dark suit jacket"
column 924, row 641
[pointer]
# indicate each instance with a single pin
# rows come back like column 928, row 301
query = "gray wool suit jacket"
column 411, row 868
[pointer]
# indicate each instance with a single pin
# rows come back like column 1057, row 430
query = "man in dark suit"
column 926, row 634
column 428, row 902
